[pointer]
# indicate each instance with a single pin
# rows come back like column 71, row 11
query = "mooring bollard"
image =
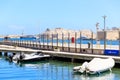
column 13, row 54
column 0, row 53
column 5, row 54
column 10, row 58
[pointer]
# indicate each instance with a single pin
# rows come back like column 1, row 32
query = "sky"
column 35, row 16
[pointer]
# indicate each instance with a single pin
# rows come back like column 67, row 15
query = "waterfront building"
column 112, row 34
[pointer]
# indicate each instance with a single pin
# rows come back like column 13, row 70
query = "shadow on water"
column 103, row 76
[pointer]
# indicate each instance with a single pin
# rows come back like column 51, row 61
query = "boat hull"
column 97, row 65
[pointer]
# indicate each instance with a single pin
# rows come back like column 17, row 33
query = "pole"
column 80, row 42
column 43, row 41
column 57, row 39
column 104, row 17
column 40, row 42
column 62, row 42
column 52, row 41
column 119, row 42
column 68, row 42
column 75, row 42
column 97, row 27
column 47, row 42
column 92, row 42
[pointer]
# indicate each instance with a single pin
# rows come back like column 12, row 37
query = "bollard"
column 0, row 53
column 13, row 54
column 5, row 54
column 10, row 58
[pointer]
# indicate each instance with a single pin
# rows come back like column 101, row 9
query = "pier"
column 72, row 52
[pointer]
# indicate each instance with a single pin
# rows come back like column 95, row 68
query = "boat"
column 96, row 65
column 80, row 69
column 29, row 57
column 27, row 37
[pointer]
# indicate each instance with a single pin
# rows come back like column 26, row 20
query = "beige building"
column 110, row 35
column 59, row 31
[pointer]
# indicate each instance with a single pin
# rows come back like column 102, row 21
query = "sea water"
column 49, row 70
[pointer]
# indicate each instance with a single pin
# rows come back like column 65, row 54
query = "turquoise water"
column 49, row 70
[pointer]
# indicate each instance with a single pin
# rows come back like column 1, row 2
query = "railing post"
column 68, row 42
column 80, row 43
column 28, row 43
column 47, row 42
column 57, row 39
column 119, row 42
column 52, row 41
column 18, row 42
column 104, row 39
column 43, row 41
column 92, row 42
column 25, row 43
column 32, row 44
column 36, row 44
column 40, row 43
column 62, row 42
column 75, row 42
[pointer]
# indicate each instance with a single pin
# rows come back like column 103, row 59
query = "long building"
column 110, row 35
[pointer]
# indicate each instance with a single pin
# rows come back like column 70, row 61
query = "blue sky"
column 34, row 16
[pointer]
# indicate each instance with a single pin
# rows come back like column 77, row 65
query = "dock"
column 57, row 53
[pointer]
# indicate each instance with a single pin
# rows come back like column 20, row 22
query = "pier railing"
column 67, row 43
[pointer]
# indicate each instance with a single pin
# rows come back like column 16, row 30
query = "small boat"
column 29, row 57
column 96, row 65
column 31, row 37
column 81, row 68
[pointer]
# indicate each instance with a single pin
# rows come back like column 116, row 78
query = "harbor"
column 59, row 40
column 72, row 52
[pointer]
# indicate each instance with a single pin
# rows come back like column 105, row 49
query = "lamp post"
column 104, row 17
column 97, row 27
column 97, row 40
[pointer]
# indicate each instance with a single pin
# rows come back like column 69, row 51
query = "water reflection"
column 50, row 70
column 56, row 71
column 103, row 76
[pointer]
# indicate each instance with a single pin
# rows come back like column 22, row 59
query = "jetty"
column 72, row 52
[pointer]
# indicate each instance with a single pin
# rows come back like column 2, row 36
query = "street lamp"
column 97, row 27
column 104, row 17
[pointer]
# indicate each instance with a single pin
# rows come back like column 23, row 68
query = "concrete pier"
column 81, row 56
column 85, row 53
